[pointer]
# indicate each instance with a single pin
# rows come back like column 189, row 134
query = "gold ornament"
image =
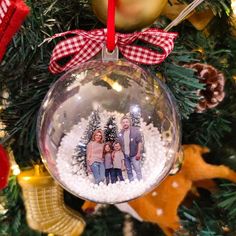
column 233, row 17
column 130, row 15
column 45, row 207
column 198, row 19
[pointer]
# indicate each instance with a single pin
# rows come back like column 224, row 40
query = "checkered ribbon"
column 86, row 44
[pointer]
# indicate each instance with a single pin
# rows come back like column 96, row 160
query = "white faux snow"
column 154, row 166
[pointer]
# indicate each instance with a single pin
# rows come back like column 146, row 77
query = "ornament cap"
column 110, row 56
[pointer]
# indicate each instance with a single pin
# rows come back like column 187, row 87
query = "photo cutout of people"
column 118, row 160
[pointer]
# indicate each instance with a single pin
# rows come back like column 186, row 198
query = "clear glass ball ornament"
column 108, row 132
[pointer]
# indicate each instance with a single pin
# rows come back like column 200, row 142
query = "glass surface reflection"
column 108, row 132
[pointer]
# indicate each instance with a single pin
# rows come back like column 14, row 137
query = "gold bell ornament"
column 130, row 15
column 46, row 211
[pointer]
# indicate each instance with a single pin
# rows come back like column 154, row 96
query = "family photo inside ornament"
column 108, row 132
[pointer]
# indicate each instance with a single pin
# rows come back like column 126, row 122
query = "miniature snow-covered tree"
column 110, row 130
column 135, row 115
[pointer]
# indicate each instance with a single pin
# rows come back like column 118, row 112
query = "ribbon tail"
column 79, row 55
column 142, row 55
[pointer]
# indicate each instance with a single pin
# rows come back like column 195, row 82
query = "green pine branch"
column 226, row 200
column 204, row 219
column 184, row 85
column 108, row 221
column 211, row 127
column 206, row 129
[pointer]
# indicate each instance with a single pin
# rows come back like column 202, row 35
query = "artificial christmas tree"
column 24, row 76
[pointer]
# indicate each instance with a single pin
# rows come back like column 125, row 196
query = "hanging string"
column 111, row 25
column 186, row 11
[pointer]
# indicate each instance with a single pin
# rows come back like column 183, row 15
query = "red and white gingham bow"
column 86, row 44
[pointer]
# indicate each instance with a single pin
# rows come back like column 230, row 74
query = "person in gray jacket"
column 130, row 139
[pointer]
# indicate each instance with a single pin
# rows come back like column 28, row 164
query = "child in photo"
column 118, row 161
column 109, row 171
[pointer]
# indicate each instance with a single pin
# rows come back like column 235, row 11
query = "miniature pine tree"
column 135, row 115
column 110, row 130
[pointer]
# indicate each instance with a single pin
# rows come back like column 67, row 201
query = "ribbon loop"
column 85, row 45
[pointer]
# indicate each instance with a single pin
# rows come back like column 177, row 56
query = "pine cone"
column 213, row 93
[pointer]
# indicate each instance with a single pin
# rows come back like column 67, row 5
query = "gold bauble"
column 45, row 207
column 130, row 15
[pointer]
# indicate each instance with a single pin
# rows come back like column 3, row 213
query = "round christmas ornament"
column 131, row 15
column 101, row 131
column 102, row 126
